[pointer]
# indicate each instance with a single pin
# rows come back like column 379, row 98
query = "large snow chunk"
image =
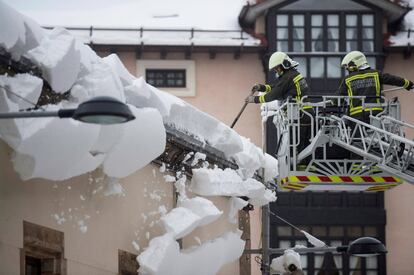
column 58, row 151
column 212, row 255
column 109, row 136
column 13, row 131
column 9, row 131
column 12, row 30
column 145, row 95
column 185, row 117
column 287, row 263
column 160, row 257
column 190, row 120
column 203, row 208
column 235, row 204
column 267, row 197
column 164, row 257
column 190, row 214
column 180, row 221
column 58, row 58
column 218, row 182
column 116, row 64
column 23, row 86
column 143, row 140
column 99, row 80
column 249, row 159
column 34, row 34
column 87, row 58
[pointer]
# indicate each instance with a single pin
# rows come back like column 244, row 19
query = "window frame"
column 341, row 28
column 165, row 77
column 188, row 65
column 324, row 84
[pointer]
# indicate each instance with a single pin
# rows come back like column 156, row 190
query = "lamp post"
column 102, row 110
column 361, row 247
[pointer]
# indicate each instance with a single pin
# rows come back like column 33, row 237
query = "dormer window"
column 327, row 32
column 319, row 39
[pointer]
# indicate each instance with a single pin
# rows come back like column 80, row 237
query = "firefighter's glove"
column 410, row 86
column 258, row 88
column 249, row 99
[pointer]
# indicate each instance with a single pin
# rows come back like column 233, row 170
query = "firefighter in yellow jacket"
column 365, row 81
column 290, row 83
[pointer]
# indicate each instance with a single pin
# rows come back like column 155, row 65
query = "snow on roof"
column 70, row 65
column 59, row 149
column 405, row 37
column 215, row 22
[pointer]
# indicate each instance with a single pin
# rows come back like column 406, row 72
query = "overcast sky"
column 203, row 14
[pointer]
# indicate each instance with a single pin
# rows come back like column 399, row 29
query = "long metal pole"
column 29, row 114
column 62, row 113
column 300, row 250
column 241, row 111
column 393, row 89
column 265, row 214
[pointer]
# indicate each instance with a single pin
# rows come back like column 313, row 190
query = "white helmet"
column 354, row 60
column 281, row 58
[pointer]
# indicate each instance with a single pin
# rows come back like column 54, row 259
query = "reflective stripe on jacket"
column 290, row 84
column 367, row 83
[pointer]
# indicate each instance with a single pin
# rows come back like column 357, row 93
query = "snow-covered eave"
column 237, row 51
column 179, row 144
column 24, row 65
column 150, row 37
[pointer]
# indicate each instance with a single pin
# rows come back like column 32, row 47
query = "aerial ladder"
column 344, row 154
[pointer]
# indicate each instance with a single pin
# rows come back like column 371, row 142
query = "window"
column 174, row 76
column 319, row 41
column 298, row 33
column 324, row 32
column 368, row 33
column 127, row 263
column 282, row 36
column 42, row 251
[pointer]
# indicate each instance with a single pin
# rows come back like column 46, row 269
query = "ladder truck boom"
column 344, row 154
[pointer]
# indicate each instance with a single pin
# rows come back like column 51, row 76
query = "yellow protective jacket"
column 368, row 83
column 290, row 84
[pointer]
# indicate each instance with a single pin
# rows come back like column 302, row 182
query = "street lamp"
column 361, row 247
column 102, row 110
column 366, row 247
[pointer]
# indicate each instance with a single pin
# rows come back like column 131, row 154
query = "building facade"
column 318, row 34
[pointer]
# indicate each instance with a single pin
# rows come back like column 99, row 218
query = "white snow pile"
column 190, row 214
column 163, row 256
column 59, row 149
column 59, row 60
column 236, row 204
column 39, row 144
column 401, row 38
column 287, row 263
column 227, row 182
